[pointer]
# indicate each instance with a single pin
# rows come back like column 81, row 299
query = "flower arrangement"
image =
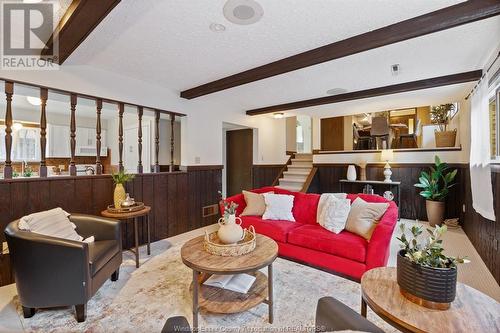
column 229, row 208
column 429, row 253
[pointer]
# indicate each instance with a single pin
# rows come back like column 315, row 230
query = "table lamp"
column 386, row 156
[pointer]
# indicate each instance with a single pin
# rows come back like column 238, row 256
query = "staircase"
column 294, row 178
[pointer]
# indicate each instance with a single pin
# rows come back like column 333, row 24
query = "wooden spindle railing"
column 121, row 109
column 44, row 95
column 72, row 135
column 157, row 141
column 172, row 142
column 98, row 165
column 9, row 91
column 140, row 112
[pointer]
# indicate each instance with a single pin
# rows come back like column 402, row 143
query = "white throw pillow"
column 324, row 197
column 52, row 222
column 334, row 213
column 278, row 207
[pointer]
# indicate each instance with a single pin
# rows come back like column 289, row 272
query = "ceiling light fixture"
column 336, row 91
column 217, row 27
column 278, row 115
column 243, row 12
column 34, row 100
column 395, row 69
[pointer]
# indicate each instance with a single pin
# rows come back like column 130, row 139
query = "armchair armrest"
column 100, row 227
column 48, row 267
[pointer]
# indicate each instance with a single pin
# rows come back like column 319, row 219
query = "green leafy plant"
column 230, row 208
column 430, row 252
column 436, row 183
column 121, row 177
column 440, row 115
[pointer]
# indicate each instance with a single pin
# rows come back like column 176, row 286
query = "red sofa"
column 306, row 241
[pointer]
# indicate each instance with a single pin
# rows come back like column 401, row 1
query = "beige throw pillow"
column 256, row 205
column 364, row 216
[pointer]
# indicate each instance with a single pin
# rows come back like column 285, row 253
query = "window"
column 25, row 144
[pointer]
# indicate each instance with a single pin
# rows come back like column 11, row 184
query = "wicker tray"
column 213, row 245
column 134, row 208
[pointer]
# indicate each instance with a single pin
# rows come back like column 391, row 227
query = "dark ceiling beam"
column 445, row 18
column 374, row 92
column 80, row 19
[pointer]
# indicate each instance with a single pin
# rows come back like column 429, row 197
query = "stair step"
column 291, row 181
column 302, row 160
column 299, row 168
column 295, row 175
column 303, row 156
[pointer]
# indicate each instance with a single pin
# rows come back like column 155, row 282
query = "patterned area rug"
column 143, row 299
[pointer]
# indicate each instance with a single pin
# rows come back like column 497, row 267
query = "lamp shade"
column 387, row 155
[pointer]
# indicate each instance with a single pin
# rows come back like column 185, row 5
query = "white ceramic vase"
column 230, row 230
column 351, row 172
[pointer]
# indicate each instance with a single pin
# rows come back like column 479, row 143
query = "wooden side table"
column 134, row 216
column 471, row 311
column 218, row 300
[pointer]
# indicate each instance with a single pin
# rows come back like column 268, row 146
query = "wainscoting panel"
column 264, row 175
column 484, row 234
column 412, row 204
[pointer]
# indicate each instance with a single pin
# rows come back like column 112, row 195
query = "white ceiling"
column 169, row 43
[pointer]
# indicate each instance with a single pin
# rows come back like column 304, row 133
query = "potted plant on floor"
column 424, row 274
column 435, row 187
column 119, row 179
column 440, row 116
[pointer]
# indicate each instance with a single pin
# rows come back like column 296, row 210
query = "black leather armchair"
column 52, row 272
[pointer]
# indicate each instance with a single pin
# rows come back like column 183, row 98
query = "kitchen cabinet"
column 59, row 141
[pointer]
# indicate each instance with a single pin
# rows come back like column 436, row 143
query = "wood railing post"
column 172, row 142
column 9, row 91
column 98, row 165
column 72, row 135
column 44, row 94
column 140, row 112
column 157, row 141
column 121, row 109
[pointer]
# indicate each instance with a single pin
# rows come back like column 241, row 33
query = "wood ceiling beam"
column 445, row 18
column 80, row 19
column 374, row 92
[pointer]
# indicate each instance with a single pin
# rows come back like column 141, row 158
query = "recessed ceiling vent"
column 243, row 12
column 395, row 69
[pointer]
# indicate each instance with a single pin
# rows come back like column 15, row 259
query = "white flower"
column 417, row 255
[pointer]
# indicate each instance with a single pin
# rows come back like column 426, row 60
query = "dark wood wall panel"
column 412, row 204
column 484, row 234
column 176, row 199
column 264, row 175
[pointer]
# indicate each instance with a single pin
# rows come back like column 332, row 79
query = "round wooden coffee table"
column 218, row 300
column 471, row 311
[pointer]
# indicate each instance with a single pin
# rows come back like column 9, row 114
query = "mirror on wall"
column 424, row 127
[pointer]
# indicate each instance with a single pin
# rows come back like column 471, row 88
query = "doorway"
column 239, row 160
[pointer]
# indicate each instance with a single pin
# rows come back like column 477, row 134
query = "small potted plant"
column 424, row 274
column 435, row 187
column 119, row 179
column 440, row 116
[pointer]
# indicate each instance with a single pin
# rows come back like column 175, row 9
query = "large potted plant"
column 440, row 116
column 424, row 274
column 435, row 187
column 119, row 194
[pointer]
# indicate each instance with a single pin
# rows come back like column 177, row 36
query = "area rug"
column 143, row 299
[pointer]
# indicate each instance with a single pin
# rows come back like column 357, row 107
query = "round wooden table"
column 218, row 300
column 134, row 216
column 471, row 311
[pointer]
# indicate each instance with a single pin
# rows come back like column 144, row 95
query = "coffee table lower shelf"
column 217, row 300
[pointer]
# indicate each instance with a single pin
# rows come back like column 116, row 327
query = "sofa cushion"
column 364, row 217
column 255, row 204
column 344, row 244
column 276, row 229
column 100, row 253
column 305, row 206
column 278, row 207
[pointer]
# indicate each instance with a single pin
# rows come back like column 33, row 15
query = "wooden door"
column 332, row 133
column 239, row 161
